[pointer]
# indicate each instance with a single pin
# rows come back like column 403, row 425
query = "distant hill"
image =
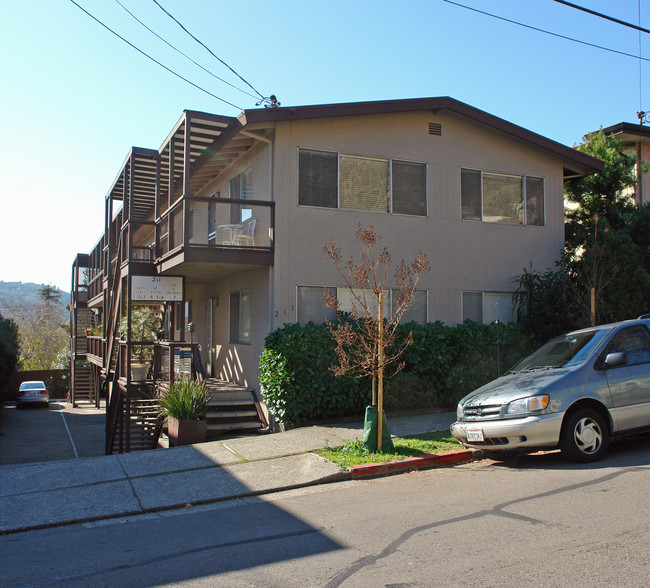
column 19, row 294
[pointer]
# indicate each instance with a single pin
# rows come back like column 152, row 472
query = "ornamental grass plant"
column 184, row 400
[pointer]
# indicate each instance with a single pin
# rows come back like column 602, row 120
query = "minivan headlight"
column 526, row 405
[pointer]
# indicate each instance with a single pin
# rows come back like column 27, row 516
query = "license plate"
column 32, row 394
column 475, row 435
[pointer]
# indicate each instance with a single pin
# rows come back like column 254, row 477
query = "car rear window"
column 32, row 386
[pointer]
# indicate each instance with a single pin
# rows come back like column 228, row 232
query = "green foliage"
column 185, row 400
column 296, row 381
column 145, row 324
column 603, row 194
column 441, row 366
column 9, row 350
column 483, row 353
column 607, row 238
column 544, row 304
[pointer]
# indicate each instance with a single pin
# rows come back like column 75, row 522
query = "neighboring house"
column 240, row 208
column 635, row 140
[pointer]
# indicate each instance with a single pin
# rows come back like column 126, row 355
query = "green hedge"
column 441, row 366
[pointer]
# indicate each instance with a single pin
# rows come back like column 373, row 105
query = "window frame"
column 391, row 192
column 524, row 197
column 388, row 304
column 483, row 294
column 236, row 324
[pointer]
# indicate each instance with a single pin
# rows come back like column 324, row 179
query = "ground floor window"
column 241, row 309
column 310, row 307
column 487, row 307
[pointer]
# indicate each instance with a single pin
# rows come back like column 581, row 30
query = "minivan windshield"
column 567, row 350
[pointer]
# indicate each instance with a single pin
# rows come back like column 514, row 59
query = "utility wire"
column 601, row 15
column 154, row 60
column 181, row 53
column 547, row 32
column 208, row 49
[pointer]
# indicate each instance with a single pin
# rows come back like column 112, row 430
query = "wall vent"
column 435, row 129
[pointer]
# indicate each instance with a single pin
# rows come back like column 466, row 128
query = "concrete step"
column 234, row 426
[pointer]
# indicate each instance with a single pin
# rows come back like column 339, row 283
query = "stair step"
column 231, row 414
column 234, row 426
column 236, row 396
column 220, row 402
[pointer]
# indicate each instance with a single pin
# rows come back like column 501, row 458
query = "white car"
column 34, row 392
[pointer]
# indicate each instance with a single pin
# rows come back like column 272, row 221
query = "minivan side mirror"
column 613, row 360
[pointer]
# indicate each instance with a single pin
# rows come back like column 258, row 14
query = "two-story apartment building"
column 237, row 210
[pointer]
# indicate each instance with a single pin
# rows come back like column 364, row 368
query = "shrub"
column 442, row 365
column 185, row 400
column 296, row 382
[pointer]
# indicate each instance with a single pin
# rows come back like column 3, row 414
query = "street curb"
column 372, row 470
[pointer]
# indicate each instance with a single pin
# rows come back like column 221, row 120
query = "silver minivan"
column 575, row 392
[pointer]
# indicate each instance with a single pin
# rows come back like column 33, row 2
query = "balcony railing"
column 216, row 223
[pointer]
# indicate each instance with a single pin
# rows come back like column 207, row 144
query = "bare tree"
column 365, row 339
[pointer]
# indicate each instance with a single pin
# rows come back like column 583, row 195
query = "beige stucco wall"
column 464, row 255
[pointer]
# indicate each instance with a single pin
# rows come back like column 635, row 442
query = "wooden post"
column 380, row 379
column 593, row 307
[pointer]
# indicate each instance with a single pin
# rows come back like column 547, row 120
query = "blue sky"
column 75, row 98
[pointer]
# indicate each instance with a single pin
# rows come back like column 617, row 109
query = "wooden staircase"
column 144, row 427
column 233, row 409
column 84, row 389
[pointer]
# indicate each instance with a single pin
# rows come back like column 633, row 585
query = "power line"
column 154, row 60
column 521, row 24
column 601, row 15
column 208, row 49
column 181, row 53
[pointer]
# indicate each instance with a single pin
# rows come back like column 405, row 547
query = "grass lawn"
column 353, row 453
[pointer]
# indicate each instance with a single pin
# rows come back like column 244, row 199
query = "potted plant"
column 145, row 324
column 183, row 404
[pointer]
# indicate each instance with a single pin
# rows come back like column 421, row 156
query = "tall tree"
column 606, row 266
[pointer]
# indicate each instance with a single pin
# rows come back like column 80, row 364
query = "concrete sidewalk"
column 41, row 495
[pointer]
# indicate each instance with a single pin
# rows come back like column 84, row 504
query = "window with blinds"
column 409, row 188
column 317, row 178
column 337, row 180
column 470, row 194
column 535, row 201
column 364, row 183
column 501, row 198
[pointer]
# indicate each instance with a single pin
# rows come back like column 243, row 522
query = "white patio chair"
column 245, row 233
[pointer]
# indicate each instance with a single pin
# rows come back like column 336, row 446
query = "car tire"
column 584, row 437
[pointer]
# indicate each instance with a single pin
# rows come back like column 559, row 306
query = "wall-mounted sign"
column 157, row 288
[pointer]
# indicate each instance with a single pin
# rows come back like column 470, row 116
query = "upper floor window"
column 502, row 198
column 336, row 180
column 241, row 188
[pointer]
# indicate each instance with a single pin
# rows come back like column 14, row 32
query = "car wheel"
column 584, row 436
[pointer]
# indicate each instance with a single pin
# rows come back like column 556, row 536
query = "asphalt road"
column 540, row 521
column 33, row 434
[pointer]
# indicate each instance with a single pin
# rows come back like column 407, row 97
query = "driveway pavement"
column 35, row 434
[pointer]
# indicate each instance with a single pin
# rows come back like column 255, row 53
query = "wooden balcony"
column 196, row 233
